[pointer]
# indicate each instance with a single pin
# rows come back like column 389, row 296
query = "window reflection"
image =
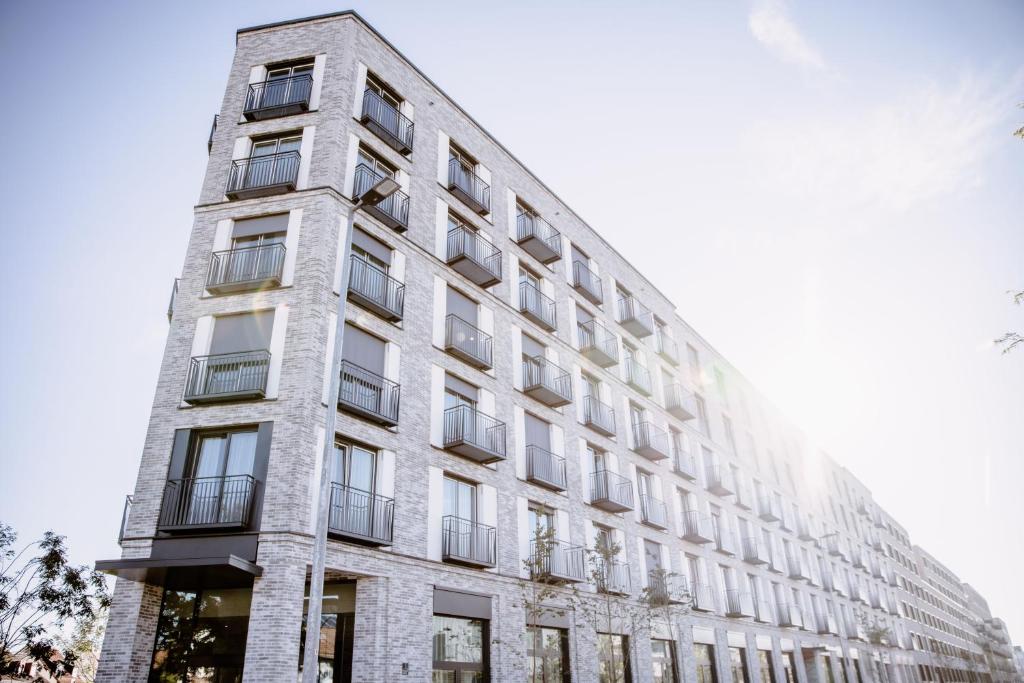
column 547, row 655
column 459, row 651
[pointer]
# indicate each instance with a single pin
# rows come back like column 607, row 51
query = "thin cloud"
column 771, row 25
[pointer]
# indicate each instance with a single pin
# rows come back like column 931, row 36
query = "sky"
column 829, row 192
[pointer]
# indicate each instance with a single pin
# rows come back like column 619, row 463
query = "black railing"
column 587, row 282
column 697, row 526
column 637, row 376
column 538, row 238
column 270, row 172
column 653, row 511
column 545, row 468
column 393, row 210
column 385, row 120
column 373, row 287
column 613, row 577
column 598, row 343
column 704, row 598
column 280, row 95
column 369, row 394
column 536, row 305
column 544, row 377
column 719, row 480
column 235, row 268
column 635, row 317
column 464, row 183
column 207, row 502
column 125, row 514
column 557, row 560
column 227, row 375
column 738, row 603
column 600, row 416
column 650, row 437
column 463, row 540
column 467, row 341
column 685, row 463
column 753, row 550
column 666, row 346
column 664, row 588
column 465, row 425
column 790, row 615
column 611, row 487
column 360, row 514
column 680, row 402
column 466, row 244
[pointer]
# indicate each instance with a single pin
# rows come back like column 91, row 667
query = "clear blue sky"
column 828, row 191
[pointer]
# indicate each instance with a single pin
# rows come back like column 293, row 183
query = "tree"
column 40, row 592
column 542, row 589
column 1011, row 339
column 1020, row 131
column 85, row 642
column 875, row 630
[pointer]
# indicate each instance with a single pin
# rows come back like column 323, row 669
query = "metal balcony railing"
column 598, row 343
column 371, row 287
column 610, row 491
column 536, row 306
column 697, row 527
column 125, row 514
column 207, row 502
column 467, row 342
column 537, row 238
column 263, row 175
column 557, row 561
column 613, row 577
column 767, row 508
column 719, row 480
column 464, row 183
column 587, row 282
column 743, row 499
column 637, row 376
column 360, row 515
column 790, row 615
column 598, row 416
column 635, row 317
column 738, row 603
column 666, row 347
column 795, row 565
column 650, row 441
column 685, row 463
column 704, row 598
column 545, row 468
column 473, row 256
column 723, row 540
column 666, row 589
column 680, row 402
column 473, row 434
column 754, row 551
column 467, row 542
column 387, row 122
column 653, row 512
column 762, row 611
column 368, row 394
column 227, row 376
column 236, row 270
column 546, row 382
column 392, row 211
column 278, row 97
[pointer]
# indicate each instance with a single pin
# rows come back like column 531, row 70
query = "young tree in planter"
column 542, row 592
column 40, row 591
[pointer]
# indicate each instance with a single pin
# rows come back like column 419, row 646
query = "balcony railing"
column 537, row 238
column 635, row 317
column 467, row 186
column 360, row 515
column 368, row 395
column 857, row 558
column 536, row 306
column 125, row 515
column 685, row 463
column 467, row 542
column 467, row 342
column 697, row 527
column 371, row 287
column 804, row 531
column 558, row 561
column 653, row 512
column 824, row 623
column 666, row 589
column 598, row 343
column 278, row 97
column 473, row 256
column 587, row 283
column 754, row 551
column 790, row 615
column 473, row 434
column 598, row 416
column 392, row 211
column 719, row 480
column 546, row 382
column 637, row 376
column 545, row 468
column 680, row 402
column 236, row 270
column 768, row 508
column 262, row 176
column 795, row 565
column 666, row 347
column 704, row 599
column 227, row 377
column 743, row 499
column 650, row 441
column 393, row 127
column 207, row 502
column 610, row 491
column 724, row 542
column 738, row 604
column 613, row 577
column 762, row 611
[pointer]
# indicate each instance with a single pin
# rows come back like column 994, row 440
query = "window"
column 220, row 472
column 461, row 306
column 541, row 521
column 738, row 664
column 337, row 632
column 460, row 499
column 242, row 332
column 386, row 94
column 201, row 633
column 788, row 667
column 723, row 390
column 764, row 661
column 613, row 658
column 378, row 167
column 702, row 415
column 547, row 653
column 269, row 146
column 260, row 231
column 460, row 649
column 705, row 656
column 693, row 359
column 282, row 71
column 663, row 661
column 730, row 437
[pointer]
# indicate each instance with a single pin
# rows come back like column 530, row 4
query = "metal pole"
column 311, row 658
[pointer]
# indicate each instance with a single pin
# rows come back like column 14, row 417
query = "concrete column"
column 131, row 631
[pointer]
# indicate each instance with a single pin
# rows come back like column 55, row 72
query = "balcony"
column 666, row 589
column 263, row 176
column 685, row 463
column 697, row 527
column 372, row 288
column 368, row 395
column 790, row 615
column 876, row 570
column 360, row 516
column 474, row 435
column 857, row 558
column 653, row 512
column 467, row 186
column 546, row 382
column 855, row 592
column 467, row 342
column 704, row 599
column 278, row 97
column 467, row 542
column 874, row 599
column 891, row 577
column 557, row 562
column 754, row 551
column 473, row 257
column 544, row 468
column 834, row 545
column 804, row 531
column 207, row 503
column 724, row 542
column 598, row 343
column 610, row 491
column 738, row 604
column 825, row 624
column 537, row 307
column 392, row 211
column 537, row 238
column 795, row 566
column 718, row 480
column 637, row 376
column 598, row 416
column 768, row 508
column 743, row 499
column 613, row 578
column 237, row 270
column 666, row 347
column 828, row 583
column 387, row 123
column 680, row 402
column 227, row 377
column 213, row 131
column 650, row 441
column 776, row 561
column 762, row 611
column 635, row 317
column 587, row 283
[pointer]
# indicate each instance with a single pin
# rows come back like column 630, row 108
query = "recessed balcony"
column 653, row 512
column 536, row 306
column 666, row 347
column 392, row 211
column 207, row 503
column 738, row 604
column 650, row 441
column 472, row 256
column 718, row 480
column 368, row 395
column 557, row 561
column 598, row 343
column 613, row 577
column 373, row 289
column 465, row 184
column 278, row 97
column 790, row 615
column 262, row 176
column 360, row 516
column 227, row 377
column 680, row 402
column 389, row 124
column 637, row 376
column 546, row 382
column 697, row 527
column 246, row 268
column 467, row 542
column 537, row 238
column 685, row 463
column 611, row 492
column 704, row 599
column 598, row 416
column 635, row 317
column 467, row 342
column 587, row 283
column 546, row 469
column 473, row 434
column 754, row 551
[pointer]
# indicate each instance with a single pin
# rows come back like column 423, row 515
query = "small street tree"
column 542, row 594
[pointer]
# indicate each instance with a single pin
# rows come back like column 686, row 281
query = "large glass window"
column 220, row 473
column 460, row 651
column 705, row 656
column 764, row 662
column 547, row 653
column 738, row 664
column 788, row 667
column 337, row 630
column 663, row 661
column 613, row 658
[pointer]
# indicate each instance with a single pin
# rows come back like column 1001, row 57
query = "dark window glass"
column 613, row 658
column 738, row 664
column 547, row 654
column 764, row 660
column 337, row 629
column 705, row 656
column 663, row 661
column 460, row 650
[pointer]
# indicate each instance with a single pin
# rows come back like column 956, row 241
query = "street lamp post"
column 380, row 191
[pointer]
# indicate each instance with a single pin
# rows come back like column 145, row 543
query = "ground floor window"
column 663, row 661
column 200, row 636
column 547, row 653
column 613, row 658
column 460, row 650
column 337, row 633
column 705, row 656
column 764, row 662
column 788, row 667
column 738, row 664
